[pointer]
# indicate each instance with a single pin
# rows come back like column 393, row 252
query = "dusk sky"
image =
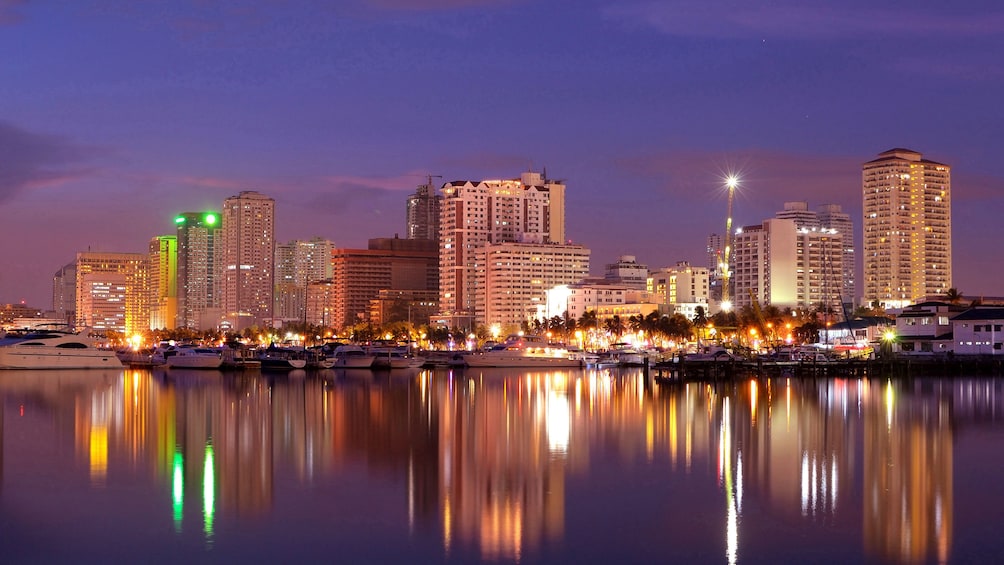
column 116, row 115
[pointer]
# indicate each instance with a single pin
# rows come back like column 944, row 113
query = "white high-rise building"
column 831, row 218
column 248, row 260
column 907, row 226
column 786, row 266
column 514, row 283
column 527, row 210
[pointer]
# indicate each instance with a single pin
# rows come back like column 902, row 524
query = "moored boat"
column 191, row 357
column 524, row 351
column 349, row 356
column 281, row 359
column 54, row 347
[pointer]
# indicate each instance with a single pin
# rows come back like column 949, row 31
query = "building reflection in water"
column 485, row 456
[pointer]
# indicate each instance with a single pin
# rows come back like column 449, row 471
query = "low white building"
column 926, row 328
column 978, row 331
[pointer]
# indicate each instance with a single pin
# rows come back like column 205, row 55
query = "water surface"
column 577, row 466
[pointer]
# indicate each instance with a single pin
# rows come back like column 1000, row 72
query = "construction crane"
column 731, row 182
column 758, row 314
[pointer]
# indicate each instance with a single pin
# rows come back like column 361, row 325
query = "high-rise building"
column 780, row 264
column 799, row 212
column 423, row 212
column 359, row 275
column 297, row 265
column 714, row 261
column 248, row 260
column 907, row 228
column 514, row 283
column 112, row 292
column 831, row 218
column 682, row 288
column 627, row 271
column 199, row 240
column 528, row 210
column 64, row 293
column 163, row 282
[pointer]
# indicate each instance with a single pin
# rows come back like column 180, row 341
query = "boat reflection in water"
column 497, row 464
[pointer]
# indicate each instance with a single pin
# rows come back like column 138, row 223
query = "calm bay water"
column 497, row 465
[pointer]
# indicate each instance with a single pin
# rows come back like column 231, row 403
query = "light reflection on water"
column 491, row 464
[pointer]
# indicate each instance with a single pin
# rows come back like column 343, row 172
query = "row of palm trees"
column 771, row 324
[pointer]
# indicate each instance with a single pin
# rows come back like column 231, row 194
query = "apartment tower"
column 199, row 240
column 163, row 287
column 527, row 210
column 248, row 260
column 907, row 228
column 111, row 292
column 423, row 212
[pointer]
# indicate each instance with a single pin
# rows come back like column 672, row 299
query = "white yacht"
column 54, row 347
column 524, row 351
column 348, row 356
column 194, row 357
column 622, row 355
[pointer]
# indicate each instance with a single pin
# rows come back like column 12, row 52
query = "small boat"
column 349, row 356
column 622, row 355
column 281, row 359
column 54, row 346
column 395, row 358
column 140, row 358
column 191, row 357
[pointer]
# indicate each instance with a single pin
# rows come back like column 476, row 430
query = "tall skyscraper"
column 829, row 218
column 163, row 285
column 297, row 265
column 528, row 210
column 907, row 228
column 248, row 260
column 64, row 293
column 787, row 266
column 199, row 240
column 112, row 292
column 423, row 212
column 832, row 217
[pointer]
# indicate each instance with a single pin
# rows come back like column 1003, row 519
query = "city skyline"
column 339, row 113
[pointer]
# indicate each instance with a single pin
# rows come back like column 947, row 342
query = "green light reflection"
column 208, row 491
column 178, row 489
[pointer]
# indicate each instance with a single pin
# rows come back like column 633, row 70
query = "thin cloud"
column 9, row 13
column 435, row 5
column 793, row 19
column 768, row 178
column 34, row 160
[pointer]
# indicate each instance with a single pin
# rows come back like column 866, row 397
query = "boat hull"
column 488, row 359
column 195, row 362
column 14, row 357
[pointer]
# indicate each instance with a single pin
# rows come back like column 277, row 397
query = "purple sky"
column 116, row 115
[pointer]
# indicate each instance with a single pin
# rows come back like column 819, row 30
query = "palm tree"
column 615, row 326
column 953, row 295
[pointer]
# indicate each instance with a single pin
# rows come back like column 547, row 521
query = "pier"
column 731, row 369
